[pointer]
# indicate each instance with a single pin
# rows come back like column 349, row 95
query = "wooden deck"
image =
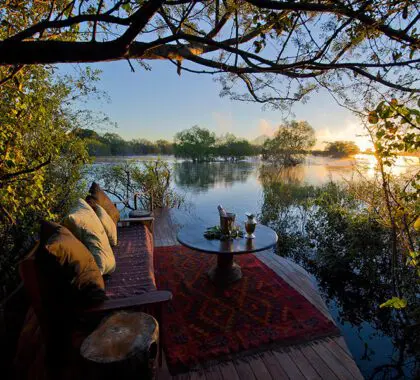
column 325, row 359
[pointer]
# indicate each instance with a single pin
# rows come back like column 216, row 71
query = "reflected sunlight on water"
column 239, row 187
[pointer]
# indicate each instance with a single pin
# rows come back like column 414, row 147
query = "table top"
column 192, row 237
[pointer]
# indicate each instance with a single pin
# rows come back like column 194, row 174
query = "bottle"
column 222, row 211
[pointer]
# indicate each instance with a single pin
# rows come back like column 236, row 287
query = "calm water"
column 375, row 342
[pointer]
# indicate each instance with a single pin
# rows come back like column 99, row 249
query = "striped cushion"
column 134, row 258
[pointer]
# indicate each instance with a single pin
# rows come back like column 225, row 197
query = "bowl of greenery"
column 216, row 233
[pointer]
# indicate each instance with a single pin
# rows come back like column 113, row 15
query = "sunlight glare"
column 364, row 143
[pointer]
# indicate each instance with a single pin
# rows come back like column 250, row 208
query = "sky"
column 158, row 103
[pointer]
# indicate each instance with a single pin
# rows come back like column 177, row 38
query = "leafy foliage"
column 337, row 238
column 262, row 51
column 291, row 142
column 215, row 232
column 148, row 183
column 195, row 143
column 229, row 147
column 41, row 161
column 112, row 144
column 395, row 302
column 341, row 148
column 394, row 128
column 199, row 145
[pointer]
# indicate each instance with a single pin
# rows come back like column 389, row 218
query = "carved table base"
column 226, row 271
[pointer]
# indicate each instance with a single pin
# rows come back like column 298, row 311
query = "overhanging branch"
column 9, row 176
column 338, row 9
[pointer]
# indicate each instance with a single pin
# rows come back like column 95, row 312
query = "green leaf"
column 380, row 134
column 417, row 224
column 395, row 303
column 127, row 7
column 373, row 117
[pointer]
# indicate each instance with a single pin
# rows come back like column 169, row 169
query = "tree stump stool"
column 124, row 346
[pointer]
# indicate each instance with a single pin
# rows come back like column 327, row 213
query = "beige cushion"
column 109, row 226
column 86, row 226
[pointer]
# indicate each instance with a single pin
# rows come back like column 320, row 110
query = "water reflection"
column 349, row 256
column 198, row 177
column 275, row 174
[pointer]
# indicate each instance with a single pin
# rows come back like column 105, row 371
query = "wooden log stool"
column 124, row 346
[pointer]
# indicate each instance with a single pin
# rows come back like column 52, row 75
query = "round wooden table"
column 226, row 270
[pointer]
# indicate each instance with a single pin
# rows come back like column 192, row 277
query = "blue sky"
column 158, row 103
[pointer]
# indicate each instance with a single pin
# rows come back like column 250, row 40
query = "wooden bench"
column 64, row 325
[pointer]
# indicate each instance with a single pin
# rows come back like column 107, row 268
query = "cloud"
column 347, row 131
column 266, row 128
column 350, row 131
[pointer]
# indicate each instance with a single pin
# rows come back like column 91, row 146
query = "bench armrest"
column 137, row 220
column 146, row 299
column 148, row 221
column 120, row 202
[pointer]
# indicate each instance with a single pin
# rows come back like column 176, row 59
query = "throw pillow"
column 69, row 265
column 103, row 200
column 108, row 224
column 86, row 226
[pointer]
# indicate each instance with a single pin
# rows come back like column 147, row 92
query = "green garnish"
column 215, row 233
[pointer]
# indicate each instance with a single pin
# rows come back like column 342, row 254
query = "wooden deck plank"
column 213, row 373
column 289, row 366
column 342, row 343
column 319, row 365
column 228, row 371
column 326, row 359
column 303, row 364
column 276, row 370
column 336, row 365
column 197, row 375
column 305, row 288
column 261, row 372
column 244, row 370
column 183, row 376
column 344, row 358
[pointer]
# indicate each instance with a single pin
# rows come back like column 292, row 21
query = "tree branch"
column 139, row 20
column 57, row 24
column 14, row 71
column 9, row 176
column 338, row 9
column 219, row 25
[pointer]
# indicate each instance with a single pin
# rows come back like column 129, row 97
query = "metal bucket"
column 227, row 223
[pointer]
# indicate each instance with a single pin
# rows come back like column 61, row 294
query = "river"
column 375, row 339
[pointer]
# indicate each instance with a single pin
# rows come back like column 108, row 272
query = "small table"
column 226, row 271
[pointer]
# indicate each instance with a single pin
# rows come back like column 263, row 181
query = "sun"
column 364, row 143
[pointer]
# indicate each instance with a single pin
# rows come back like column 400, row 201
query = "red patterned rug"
column 205, row 324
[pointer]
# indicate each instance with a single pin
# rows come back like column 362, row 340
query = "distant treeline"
column 196, row 144
column 338, row 149
column 112, row 144
column 200, row 144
